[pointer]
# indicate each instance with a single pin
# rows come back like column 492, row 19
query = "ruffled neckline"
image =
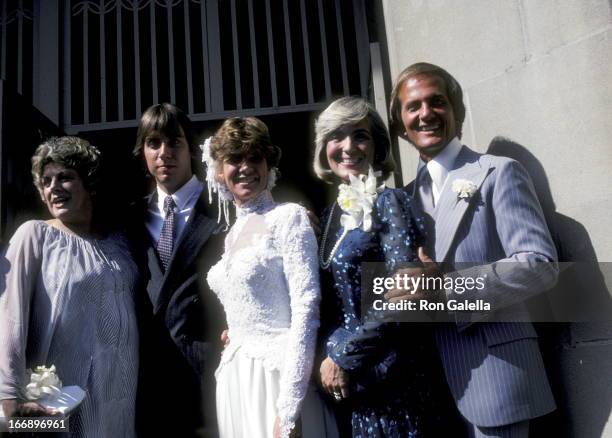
column 262, row 203
column 69, row 234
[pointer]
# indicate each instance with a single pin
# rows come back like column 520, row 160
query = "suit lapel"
column 146, row 246
column 197, row 231
column 156, row 274
column 450, row 209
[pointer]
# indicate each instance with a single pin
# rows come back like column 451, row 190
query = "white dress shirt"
column 440, row 166
column 185, row 199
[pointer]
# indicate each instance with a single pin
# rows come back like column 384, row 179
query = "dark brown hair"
column 167, row 119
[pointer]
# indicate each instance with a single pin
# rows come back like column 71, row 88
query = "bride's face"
column 245, row 176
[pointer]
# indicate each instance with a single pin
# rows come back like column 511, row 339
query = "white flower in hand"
column 43, row 382
column 357, row 200
column 464, row 188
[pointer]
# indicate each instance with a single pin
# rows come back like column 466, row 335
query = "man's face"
column 427, row 114
column 168, row 160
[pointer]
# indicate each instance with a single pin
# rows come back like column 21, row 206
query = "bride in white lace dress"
column 268, row 283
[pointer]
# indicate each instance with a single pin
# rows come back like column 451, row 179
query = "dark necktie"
column 425, row 192
column 165, row 243
column 424, row 185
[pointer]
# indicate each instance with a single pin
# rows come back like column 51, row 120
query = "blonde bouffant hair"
column 350, row 111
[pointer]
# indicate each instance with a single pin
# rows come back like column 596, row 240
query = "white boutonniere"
column 44, row 382
column 357, row 200
column 464, row 188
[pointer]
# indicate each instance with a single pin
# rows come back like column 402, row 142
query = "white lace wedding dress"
column 268, row 283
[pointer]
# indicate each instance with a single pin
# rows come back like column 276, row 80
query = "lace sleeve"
column 20, row 266
column 299, row 251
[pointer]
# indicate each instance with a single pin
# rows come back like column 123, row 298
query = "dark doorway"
column 126, row 178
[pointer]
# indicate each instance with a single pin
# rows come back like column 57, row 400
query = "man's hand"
column 430, row 269
column 334, row 379
column 14, row 408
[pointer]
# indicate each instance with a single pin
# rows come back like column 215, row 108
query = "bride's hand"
column 296, row 432
column 225, row 340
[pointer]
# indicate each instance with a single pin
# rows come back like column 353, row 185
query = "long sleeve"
column 399, row 235
column 20, row 267
column 530, row 264
column 299, row 253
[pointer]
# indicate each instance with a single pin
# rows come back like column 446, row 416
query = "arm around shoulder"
column 529, row 262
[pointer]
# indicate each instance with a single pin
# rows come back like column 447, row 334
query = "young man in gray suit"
column 482, row 210
column 177, row 239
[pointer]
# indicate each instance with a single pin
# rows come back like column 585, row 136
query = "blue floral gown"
column 391, row 365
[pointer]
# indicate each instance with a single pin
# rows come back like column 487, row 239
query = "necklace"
column 324, row 263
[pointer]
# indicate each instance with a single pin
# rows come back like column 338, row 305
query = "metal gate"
column 97, row 64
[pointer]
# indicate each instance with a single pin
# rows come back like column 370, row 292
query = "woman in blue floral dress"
column 383, row 376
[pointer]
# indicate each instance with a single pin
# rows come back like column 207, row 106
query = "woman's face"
column 245, row 176
column 350, row 150
column 64, row 194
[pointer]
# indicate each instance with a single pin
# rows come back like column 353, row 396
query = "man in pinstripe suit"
column 494, row 369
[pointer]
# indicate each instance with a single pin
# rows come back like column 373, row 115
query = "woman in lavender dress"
column 66, row 299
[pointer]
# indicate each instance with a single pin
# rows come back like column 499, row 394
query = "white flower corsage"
column 44, row 382
column 357, row 200
column 464, row 188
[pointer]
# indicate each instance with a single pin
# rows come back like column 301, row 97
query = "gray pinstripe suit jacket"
column 494, row 370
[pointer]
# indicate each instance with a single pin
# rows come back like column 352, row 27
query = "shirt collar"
column 440, row 165
column 181, row 196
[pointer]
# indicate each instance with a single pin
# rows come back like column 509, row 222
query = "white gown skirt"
column 246, row 402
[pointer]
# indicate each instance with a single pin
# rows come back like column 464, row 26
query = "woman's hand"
column 14, row 408
column 276, row 432
column 225, row 340
column 334, row 379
